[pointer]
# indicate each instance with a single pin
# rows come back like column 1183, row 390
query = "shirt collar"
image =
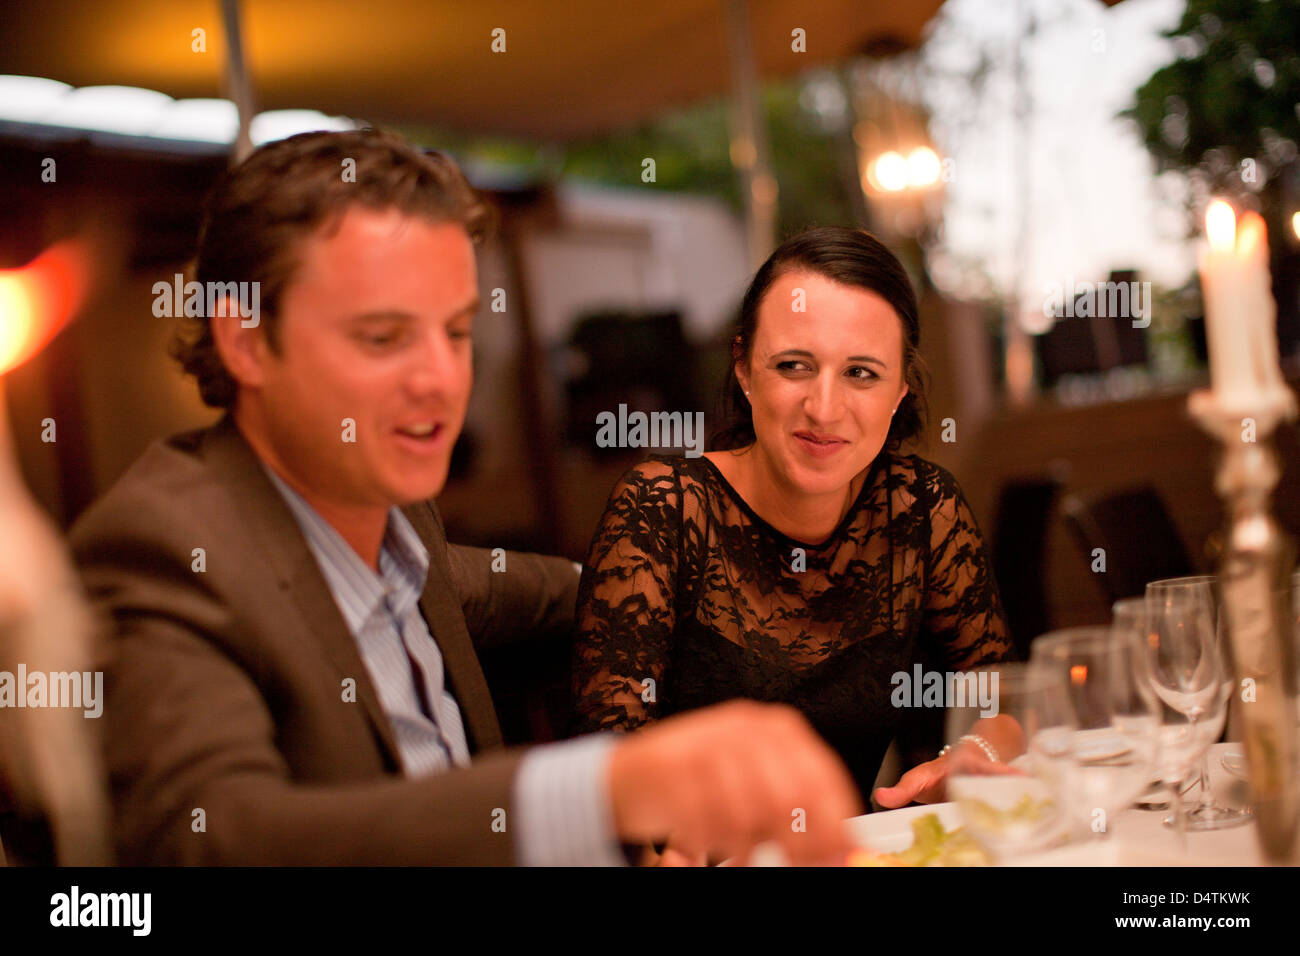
column 357, row 589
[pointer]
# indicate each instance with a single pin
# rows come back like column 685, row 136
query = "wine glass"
column 1116, row 733
column 1012, row 804
column 1129, row 621
column 1189, row 674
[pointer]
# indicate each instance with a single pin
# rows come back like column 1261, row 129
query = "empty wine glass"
column 1116, row 733
column 1129, row 621
column 1014, row 804
column 1189, row 674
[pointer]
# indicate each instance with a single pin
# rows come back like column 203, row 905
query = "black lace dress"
column 686, row 586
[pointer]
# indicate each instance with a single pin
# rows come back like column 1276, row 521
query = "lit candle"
column 1240, row 314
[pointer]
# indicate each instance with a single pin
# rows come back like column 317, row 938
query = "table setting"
column 1139, row 837
column 1119, row 760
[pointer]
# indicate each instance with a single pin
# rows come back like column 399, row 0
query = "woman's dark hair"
column 852, row 257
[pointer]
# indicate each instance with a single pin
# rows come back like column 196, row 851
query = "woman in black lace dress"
column 806, row 561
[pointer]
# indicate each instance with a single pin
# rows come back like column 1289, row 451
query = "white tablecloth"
column 1140, row 838
column 1137, row 838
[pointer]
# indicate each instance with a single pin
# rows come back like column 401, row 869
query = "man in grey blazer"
column 292, row 672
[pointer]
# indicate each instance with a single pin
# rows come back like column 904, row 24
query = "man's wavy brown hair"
column 261, row 211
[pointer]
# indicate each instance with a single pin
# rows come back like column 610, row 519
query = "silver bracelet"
column 978, row 741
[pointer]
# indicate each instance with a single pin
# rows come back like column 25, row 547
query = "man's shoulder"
column 175, row 484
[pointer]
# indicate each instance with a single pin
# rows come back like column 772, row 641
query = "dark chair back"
column 1019, row 546
column 1138, row 538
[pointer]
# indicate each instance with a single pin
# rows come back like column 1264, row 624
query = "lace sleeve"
column 963, row 612
column 625, row 614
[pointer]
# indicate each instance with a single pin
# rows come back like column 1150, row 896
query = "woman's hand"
column 924, row 783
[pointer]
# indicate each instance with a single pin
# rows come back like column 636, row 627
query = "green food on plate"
column 932, row 845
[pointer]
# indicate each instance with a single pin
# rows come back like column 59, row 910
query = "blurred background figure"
column 52, row 803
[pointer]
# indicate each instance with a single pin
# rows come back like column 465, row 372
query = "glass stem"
column 1176, row 802
column 1207, row 798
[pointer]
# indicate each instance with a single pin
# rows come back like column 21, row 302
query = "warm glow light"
column 37, row 300
column 891, row 172
column 1251, row 234
column 1221, row 226
column 1295, row 224
column 15, row 318
column 922, row 167
column 1078, row 673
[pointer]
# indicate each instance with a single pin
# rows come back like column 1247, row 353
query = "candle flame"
column 1221, row 226
column 37, row 300
column 1078, row 673
column 1295, row 224
column 1252, row 234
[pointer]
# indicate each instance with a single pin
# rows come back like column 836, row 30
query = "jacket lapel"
column 295, row 570
column 440, row 603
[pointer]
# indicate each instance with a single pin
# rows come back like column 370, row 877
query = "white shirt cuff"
column 563, row 813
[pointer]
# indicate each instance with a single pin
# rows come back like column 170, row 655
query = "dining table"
column 1136, row 837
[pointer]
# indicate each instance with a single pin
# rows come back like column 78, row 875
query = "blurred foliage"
column 691, row 150
column 1227, row 114
column 1232, row 93
column 689, row 147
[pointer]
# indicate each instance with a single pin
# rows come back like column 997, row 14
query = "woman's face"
column 824, row 375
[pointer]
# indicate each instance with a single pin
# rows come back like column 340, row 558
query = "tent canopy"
column 569, row 69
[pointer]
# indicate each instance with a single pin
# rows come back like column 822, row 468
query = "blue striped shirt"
column 563, row 814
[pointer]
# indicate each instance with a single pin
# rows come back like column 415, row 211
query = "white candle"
column 1240, row 314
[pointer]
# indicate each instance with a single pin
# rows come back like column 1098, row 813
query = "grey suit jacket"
column 229, row 735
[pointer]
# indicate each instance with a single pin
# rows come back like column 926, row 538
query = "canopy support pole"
column 238, row 85
column 749, row 144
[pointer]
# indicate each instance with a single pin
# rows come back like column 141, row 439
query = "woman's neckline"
column 763, row 522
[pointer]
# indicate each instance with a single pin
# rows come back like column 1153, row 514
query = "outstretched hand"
column 927, row 782
column 924, row 783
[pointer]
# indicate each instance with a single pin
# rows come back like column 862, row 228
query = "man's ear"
column 243, row 351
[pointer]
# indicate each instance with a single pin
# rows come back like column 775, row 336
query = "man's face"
column 369, row 390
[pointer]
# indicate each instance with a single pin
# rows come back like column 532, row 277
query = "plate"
column 1090, row 747
column 889, row 831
